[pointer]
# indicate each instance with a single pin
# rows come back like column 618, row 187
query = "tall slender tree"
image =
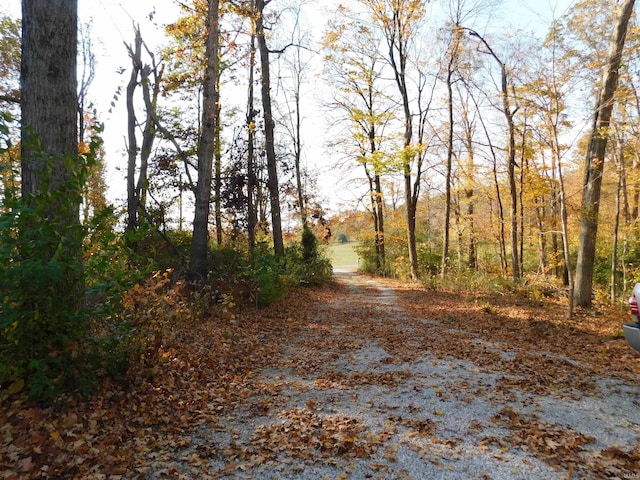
column 453, row 51
column 200, row 241
column 511, row 153
column 133, row 202
column 269, row 124
column 252, row 207
column 297, row 66
column 594, row 162
column 399, row 20
column 356, row 71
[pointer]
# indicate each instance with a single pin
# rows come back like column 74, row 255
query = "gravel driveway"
column 363, row 393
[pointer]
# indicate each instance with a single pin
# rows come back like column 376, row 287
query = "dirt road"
column 367, row 387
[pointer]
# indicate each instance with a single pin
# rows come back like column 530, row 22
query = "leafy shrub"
column 400, row 267
column 602, row 276
column 228, row 261
column 112, row 269
column 471, row 281
column 315, row 262
column 43, row 323
column 265, row 274
column 429, row 262
column 159, row 251
column 369, row 262
column 59, row 327
column 303, row 263
column 309, row 244
column 366, row 251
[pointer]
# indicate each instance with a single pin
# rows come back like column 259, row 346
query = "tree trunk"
column 472, row 254
column 396, row 20
column 614, row 248
column 468, row 183
column 523, row 168
column 447, row 178
column 272, row 162
column 136, row 190
column 542, row 239
column 375, row 187
column 594, row 165
column 380, row 232
column 375, row 193
column 635, row 188
column 621, row 209
column 218, row 173
column 149, row 131
column 501, row 235
column 472, row 259
column 564, row 218
column 502, row 239
column 411, row 224
column 206, row 148
column 135, row 53
column 49, row 123
column 556, row 224
column 374, row 214
column 297, row 147
column 49, row 102
column 511, row 167
column 457, row 214
column 252, row 216
column 511, row 156
column 632, row 207
column 411, row 205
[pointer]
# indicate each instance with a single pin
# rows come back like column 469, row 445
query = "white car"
column 632, row 329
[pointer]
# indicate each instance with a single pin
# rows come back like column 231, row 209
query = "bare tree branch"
column 9, row 98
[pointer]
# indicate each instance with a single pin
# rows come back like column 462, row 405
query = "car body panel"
column 632, row 329
column 632, row 335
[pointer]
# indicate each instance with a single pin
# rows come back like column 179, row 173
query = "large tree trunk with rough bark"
column 49, row 122
column 594, row 164
column 206, row 148
column 48, row 85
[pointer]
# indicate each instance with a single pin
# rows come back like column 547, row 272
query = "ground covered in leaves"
column 361, row 379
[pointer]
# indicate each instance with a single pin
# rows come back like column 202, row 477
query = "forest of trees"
column 471, row 147
column 492, row 147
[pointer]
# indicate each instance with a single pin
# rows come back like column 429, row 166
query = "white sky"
column 112, row 26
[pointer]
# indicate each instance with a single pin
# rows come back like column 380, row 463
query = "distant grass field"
column 343, row 254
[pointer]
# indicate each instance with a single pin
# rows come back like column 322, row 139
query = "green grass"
column 343, row 254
